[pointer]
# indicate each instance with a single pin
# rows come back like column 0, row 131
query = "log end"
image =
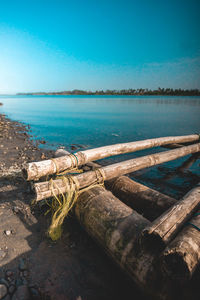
column 30, row 171
column 151, row 241
column 175, row 266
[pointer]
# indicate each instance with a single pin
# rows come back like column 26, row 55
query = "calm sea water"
column 97, row 121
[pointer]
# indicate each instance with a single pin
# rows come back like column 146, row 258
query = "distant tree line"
column 126, row 92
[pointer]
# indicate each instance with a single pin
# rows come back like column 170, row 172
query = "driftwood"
column 116, row 227
column 164, row 228
column 47, row 189
column 35, row 170
column 148, row 202
column 182, row 256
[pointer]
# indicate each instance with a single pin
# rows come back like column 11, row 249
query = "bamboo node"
column 55, row 164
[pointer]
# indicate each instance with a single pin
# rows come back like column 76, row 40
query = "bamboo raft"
column 154, row 238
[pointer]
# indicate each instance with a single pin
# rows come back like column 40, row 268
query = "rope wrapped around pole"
column 43, row 190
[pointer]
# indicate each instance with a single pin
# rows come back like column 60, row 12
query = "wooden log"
column 116, row 227
column 146, row 201
column 164, row 228
column 182, row 256
column 35, row 170
column 47, row 189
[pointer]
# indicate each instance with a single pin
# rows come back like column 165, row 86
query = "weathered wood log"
column 116, row 227
column 164, row 228
column 55, row 187
column 35, row 170
column 182, row 255
column 146, row 201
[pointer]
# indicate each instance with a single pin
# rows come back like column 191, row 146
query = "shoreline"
column 32, row 266
column 16, row 146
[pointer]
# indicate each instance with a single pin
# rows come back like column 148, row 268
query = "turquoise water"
column 96, row 121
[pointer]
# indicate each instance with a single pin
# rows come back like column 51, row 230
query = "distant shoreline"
column 129, row 92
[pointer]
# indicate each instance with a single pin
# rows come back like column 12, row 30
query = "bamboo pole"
column 164, row 228
column 182, row 256
column 146, row 201
column 35, row 170
column 55, row 187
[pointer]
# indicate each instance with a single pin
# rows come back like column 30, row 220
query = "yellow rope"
column 73, row 168
column 61, row 205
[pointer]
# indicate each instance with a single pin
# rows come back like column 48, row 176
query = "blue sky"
column 55, row 45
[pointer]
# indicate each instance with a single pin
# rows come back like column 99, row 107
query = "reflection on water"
column 100, row 120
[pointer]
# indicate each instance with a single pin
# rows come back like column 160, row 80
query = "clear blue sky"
column 55, row 45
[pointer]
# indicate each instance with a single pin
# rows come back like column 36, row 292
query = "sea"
column 82, row 122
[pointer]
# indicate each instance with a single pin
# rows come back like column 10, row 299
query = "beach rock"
column 3, row 291
column 7, row 232
column 16, row 209
column 42, row 142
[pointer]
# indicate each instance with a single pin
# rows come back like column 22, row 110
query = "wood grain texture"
column 116, row 227
column 164, row 228
column 146, row 201
column 182, row 256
